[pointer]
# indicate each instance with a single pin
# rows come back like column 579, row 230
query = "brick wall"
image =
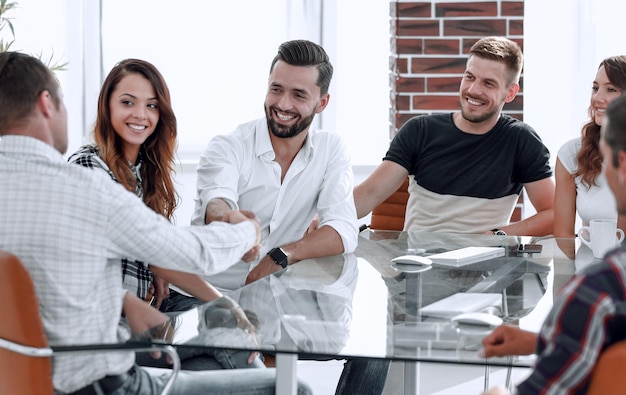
column 429, row 45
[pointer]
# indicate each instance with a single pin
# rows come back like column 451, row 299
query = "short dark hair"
column 22, row 79
column 306, row 53
column 615, row 127
column 503, row 50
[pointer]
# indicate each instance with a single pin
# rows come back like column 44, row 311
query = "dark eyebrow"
column 495, row 82
column 135, row 97
column 303, row 91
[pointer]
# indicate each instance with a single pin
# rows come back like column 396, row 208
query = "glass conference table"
column 363, row 305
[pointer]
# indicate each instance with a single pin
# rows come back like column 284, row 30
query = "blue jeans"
column 232, row 382
column 213, row 359
column 363, row 376
column 177, row 302
column 202, row 359
column 359, row 376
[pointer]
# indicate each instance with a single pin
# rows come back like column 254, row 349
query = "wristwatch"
column 279, row 256
column 498, row 232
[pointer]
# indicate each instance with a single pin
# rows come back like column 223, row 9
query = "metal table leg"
column 286, row 374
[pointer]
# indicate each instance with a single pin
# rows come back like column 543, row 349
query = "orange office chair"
column 389, row 215
column 608, row 376
column 25, row 357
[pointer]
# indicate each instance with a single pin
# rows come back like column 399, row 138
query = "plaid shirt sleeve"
column 89, row 156
column 582, row 323
column 136, row 277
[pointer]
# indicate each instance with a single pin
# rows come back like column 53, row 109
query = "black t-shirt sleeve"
column 405, row 145
column 533, row 157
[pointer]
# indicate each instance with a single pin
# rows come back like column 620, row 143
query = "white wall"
column 217, row 83
column 564, row 42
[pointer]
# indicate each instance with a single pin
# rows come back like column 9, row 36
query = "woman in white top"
column 580, row 182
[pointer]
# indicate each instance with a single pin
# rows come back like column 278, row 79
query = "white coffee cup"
column 603, row 236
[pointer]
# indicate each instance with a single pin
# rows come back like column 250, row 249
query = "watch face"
column 279, row 256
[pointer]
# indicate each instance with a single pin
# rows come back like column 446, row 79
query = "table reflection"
column 307, row 308
column 520, row 277
column 363, row 305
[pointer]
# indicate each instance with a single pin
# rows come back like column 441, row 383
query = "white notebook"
column 462, row 302
column 467, row 255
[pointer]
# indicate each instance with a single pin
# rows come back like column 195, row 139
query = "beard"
column 477, row 118
column 285, row 132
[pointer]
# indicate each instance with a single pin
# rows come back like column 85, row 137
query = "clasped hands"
column 266, row 266
column 237, row 216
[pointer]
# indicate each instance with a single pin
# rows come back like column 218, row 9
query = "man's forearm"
column 140, row 316
column 189, row 282
column 540, row 224
column 324, row 241
column 365, row 200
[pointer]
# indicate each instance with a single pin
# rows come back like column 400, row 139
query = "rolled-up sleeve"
column 217, row 176
column 336, row 202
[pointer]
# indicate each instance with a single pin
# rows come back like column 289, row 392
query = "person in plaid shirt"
column 135, row 142
column 590, row 313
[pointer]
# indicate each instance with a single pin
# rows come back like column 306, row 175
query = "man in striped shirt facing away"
column 590, row 313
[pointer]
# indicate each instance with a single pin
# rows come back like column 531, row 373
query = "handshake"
column 219, row 210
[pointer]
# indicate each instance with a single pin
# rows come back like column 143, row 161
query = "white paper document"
column 462, row 302
column 466, row 256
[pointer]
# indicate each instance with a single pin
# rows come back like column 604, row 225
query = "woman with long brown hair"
column 580, row 183
column 135, row 142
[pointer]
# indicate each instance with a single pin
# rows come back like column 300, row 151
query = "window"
column 559, row 68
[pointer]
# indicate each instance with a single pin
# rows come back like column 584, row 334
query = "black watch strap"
column 279, row 256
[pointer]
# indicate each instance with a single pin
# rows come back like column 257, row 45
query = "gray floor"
column 435, row 379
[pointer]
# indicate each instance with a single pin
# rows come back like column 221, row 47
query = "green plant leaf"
column 6, row 6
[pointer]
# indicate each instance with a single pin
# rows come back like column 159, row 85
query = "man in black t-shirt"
column 468, row 168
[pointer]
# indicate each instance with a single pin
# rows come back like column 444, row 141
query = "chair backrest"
column 389, row 215
column 608, row 376
column 21, row 323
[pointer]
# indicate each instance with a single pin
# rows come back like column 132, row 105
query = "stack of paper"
column 462, row 302
column 467, row 255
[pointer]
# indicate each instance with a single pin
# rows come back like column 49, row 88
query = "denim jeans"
column 198, row 358
column 213, row 359
column 359, row 376
column 363, row 376
column 177, row 302
column 232, row 382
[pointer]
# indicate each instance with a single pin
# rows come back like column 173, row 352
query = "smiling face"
column 293, row 98
column 484, row 91
column 134, row 112
column 603, row 92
